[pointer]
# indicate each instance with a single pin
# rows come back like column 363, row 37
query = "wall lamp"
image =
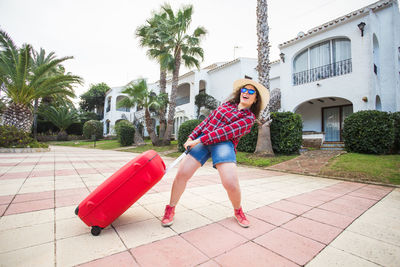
column 361, row 26
column 282, row 56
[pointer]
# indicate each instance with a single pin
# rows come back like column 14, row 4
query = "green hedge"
column 249, row 141
column 125, row 132
column 286, row 132
column 396, row 125
column 10, row 136
column 93, row 127
column 184, row 131
column 369, row 132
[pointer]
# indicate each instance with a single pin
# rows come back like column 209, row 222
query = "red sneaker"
column 168, row 218
column 241, row 218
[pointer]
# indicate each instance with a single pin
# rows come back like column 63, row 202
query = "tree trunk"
column 137, row 138
column 264, row 145
column 163, row 89
column 150, row 128
column 35, row 108
column 19, row 116
column 172, row 99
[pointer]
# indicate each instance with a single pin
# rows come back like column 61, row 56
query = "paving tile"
column 26, row 219
column 65, row 212
column 84, row 248
column 355, row 202
column 251, row 254
column 26, row 236
column 343, row 209
column 71, row 192
column 290, row 245
column 328, row 217
column 213, row 239
column 10, row 187
column 315, row 230
column 368, row 248
column 173, row 251
column 30, row 206
column 123, row 259
column 3, row 209
column 15, row 175
column 324, row 195
column 71, row 227
column 257, row 227
column 209, row 263
column 306, row 199
column 369, row 193
column 330, row 257
column 40, row 255
column 134, row 214
column 140, row 233
column 271, row 215
column 188, row 220
column 33, row 196
column 5, row 200
column 70, row 200
column 291, row 207
column 386, row 230
column 215, row 212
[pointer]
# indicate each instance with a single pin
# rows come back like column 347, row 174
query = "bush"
column 10, row 136
column 286, row 132
column 93, row 127
column 248, row 142
column 75, row 128
column 396, row 125
column 184, row 131
column 125, row 132
column 369, row 132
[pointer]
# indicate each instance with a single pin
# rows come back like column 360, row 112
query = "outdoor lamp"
column 282, row 56
column 361, row 26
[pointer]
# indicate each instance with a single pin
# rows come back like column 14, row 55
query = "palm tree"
column 62, row 117
column 264, row 145
column 24, row 83
column 179, row 46
column 139, row 95
column 152, row 35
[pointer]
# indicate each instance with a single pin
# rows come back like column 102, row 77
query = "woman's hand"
column 191, row 143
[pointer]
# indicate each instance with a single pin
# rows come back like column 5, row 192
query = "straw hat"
column 262, row 90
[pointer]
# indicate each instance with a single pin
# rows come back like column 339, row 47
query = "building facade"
column 349, row 64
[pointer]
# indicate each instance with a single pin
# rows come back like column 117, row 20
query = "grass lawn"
column 363, row 167
column 100, row 144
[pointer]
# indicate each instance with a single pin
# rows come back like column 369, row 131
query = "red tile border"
column 33, row 196
column 257, row 227
column 271, row 215
column 30, row 206
column 15, row 175
column 328, row 217
column 291, row 207
column 6, row 199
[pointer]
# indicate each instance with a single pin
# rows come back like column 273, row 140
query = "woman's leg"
column 186, row 169
column 230, row 181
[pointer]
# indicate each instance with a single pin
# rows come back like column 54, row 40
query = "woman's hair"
column 255, row 108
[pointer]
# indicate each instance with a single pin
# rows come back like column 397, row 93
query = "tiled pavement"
column 296, row 220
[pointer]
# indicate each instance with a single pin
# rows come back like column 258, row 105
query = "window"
column 326, row 59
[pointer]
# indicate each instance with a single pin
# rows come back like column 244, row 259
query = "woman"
column 217, row 137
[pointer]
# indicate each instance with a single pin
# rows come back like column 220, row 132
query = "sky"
column 100, row 34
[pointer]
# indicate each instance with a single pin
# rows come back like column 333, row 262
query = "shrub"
column 10, row 136
column 93, row 127
column 75, row 128
column 369, row 132
column 184, row 131
column 125, row 132
column 248, row 142
column 396, row 125
column 286, row 132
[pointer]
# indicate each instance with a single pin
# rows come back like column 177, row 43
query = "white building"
column 349, row 64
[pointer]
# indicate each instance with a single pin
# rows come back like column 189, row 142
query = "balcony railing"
column 323, row 72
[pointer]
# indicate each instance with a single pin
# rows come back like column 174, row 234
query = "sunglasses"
column 249, row 91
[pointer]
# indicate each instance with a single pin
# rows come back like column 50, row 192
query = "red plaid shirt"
column 227, row 122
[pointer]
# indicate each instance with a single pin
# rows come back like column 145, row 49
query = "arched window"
column 323, row 60
column 119, row 99
column 378, row 105
column 376, row 55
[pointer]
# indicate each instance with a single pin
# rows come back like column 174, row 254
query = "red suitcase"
column 116, row 194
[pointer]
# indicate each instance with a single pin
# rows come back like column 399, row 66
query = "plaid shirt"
column 227, row 122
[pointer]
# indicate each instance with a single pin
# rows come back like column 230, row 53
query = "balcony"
column 323, row 72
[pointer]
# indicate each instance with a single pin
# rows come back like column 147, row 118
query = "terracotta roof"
column 374, row 7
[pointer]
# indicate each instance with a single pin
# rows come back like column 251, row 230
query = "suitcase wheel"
column 96, row 230
column 77, row 210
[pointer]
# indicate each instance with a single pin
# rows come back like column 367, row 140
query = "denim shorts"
column 219, row 152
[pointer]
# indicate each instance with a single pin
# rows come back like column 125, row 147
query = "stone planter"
column 23, row 150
